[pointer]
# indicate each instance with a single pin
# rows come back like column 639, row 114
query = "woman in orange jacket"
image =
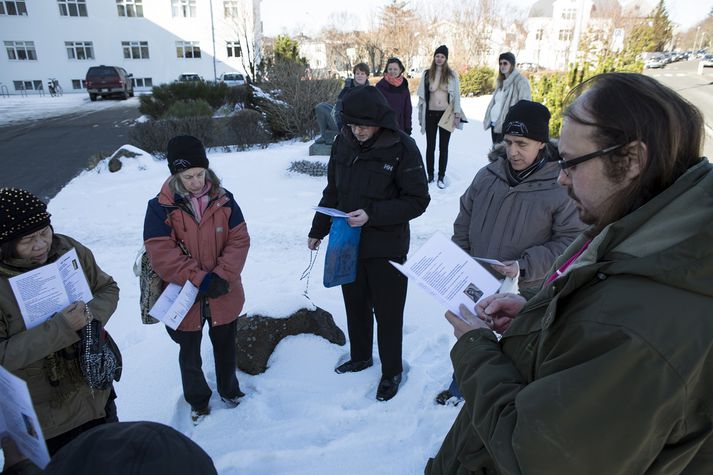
column 195, row 231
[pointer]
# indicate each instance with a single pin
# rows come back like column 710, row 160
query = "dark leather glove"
column 213, row 286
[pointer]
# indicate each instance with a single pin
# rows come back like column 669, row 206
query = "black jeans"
column 195, row 388
column 497, row 138
column 432, row 118
column 379, row 289
column 59, row 441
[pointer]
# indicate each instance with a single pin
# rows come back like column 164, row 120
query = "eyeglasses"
column 504, row 63
column 565, row 164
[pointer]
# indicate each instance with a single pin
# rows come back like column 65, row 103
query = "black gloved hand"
column 213, row 286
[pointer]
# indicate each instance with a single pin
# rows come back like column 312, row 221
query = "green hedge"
column 162, row 97
column 477, row 81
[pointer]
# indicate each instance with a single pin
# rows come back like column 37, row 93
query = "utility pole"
column 212, row 32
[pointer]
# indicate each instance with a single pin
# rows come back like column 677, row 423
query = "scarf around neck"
column 394, row 81
column 516, row 177
column 199, row 201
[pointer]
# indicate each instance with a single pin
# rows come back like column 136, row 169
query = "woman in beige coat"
column 46, row 356
column 511, row 88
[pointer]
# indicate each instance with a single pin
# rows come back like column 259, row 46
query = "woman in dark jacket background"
column 394, row 87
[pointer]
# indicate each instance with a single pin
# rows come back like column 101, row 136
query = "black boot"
column 354, row 366
column 388, row 387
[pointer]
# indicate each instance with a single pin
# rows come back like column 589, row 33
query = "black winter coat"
column 385, row 177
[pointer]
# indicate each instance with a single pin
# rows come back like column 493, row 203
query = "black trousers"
column 432, row 118
column 497, row 138
column 379, row 289
column 195, row 388
column 59, row 441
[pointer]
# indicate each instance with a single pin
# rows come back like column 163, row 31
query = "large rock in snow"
column 258, row 336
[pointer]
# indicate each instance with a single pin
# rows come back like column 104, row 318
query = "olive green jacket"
column 41, row 355
column 608, row 370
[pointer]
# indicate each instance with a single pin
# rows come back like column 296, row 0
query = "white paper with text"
column 447, row 272
column 19, row 420
column 174, row 303
column 42, row 292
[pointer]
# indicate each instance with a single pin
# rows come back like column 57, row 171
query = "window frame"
column 132, row 47
column 183, row 46
column 5, row 11
column 28, row 47
column 78, row 6
column 184, row 8
column 76, row 46
column 135, row 6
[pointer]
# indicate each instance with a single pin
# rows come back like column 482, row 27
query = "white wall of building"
column 103, row 26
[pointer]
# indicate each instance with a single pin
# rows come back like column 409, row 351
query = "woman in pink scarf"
column 194, row 231
column 394, row 87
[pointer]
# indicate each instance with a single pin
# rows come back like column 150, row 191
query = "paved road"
column 683, row 77
column 44, row 155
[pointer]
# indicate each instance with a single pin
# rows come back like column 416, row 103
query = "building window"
column 539, row 34
column 130, row 8
column 135, row 49
column 21, row 50
column 34, row 85
column 230, row 8
column 72, row 7
column 79, row 49
column 565, row 35
column 183, row 8
column 142, row 82
column 188, row 49
column 234, row 50
column 79, row 84
column 569, row 13
column 13, row 7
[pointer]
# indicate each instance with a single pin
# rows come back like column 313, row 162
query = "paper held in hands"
column 335, row 213
column 448, row 273
column 19, row 420
column 42, row 292
column 174, row 303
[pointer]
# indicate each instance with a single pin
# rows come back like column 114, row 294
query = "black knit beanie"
column 21, row 213
column 184, row 152
column 528, row 119
column 443, row 49
column 509, row 57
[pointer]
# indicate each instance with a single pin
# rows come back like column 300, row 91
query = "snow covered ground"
column 16, row 108
column 299, row 417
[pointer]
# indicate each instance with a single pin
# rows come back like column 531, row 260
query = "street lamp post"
column 212, row 32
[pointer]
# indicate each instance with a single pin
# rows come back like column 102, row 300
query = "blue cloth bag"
column 340, row 263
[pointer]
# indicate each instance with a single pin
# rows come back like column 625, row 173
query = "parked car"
column 655, row 62
column 707, row 61
column 106, row 81
column 232, row 79
column 189, row 77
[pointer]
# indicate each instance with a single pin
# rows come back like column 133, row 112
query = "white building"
column 155, row 40
column 559, row 31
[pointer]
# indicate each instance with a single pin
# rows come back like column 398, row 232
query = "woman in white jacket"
column 438, row 89
column 511, row 88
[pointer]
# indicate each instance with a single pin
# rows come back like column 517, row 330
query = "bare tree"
column 243, row 19
column 401, row 29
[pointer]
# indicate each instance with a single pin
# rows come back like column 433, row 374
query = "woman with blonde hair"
column 439, row 89
column 511, row 88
